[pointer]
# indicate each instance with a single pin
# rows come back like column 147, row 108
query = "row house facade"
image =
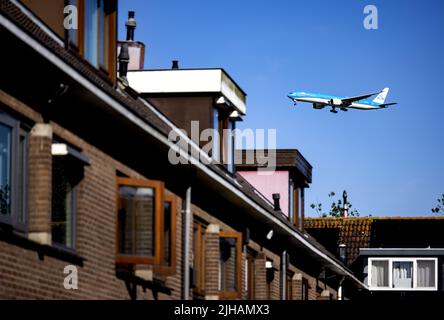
column 91, row 180
column 398, row 258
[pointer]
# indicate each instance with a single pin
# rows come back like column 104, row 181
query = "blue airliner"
column 320, row 101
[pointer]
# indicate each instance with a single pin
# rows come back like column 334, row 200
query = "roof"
column 377, row 232
column 173, row 81
column 411, row 252
column 290, row 159
column 143, row 114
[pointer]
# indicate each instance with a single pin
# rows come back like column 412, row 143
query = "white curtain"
column 402, row 274
column 425, row 274
column 379, row 274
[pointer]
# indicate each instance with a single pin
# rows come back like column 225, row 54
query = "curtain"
column 402, row 274
column 425, row 273
column 379, row 274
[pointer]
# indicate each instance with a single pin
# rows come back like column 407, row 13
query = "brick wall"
column 212, row 262
column 24, row 273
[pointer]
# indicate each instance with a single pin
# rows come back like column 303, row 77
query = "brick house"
column 86, row 179
column 397, row 257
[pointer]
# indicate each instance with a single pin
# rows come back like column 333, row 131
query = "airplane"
column 320, row 101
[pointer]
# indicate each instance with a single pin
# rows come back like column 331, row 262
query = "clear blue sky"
column 389, row 161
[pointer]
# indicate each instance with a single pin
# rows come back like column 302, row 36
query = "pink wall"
column 278, row 182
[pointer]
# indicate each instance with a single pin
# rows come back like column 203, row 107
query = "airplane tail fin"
column 380, row 98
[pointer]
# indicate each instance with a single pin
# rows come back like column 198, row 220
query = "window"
column 289, row 286
column 250, row 275
column 94, row 39
column 199, row 258
column 140, row 208
column 270, row 270
column 380, row 274
column 168, row 237
column 13, row 166
column 63, row 205
column 230, row 264
column 67, row 172
column 402, row 273
column 91, row 32
column 291, row 201
column 304, row 288
column 215, row 151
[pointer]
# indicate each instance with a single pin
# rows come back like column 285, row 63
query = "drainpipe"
column 186, row 244
column 284, row 275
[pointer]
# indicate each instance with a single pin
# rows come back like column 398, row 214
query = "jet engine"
column 318, row 106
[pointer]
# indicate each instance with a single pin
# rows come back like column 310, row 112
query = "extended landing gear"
column 344, row 109
column 334, row 110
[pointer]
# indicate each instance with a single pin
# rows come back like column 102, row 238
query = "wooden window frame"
column 77, row 47
column 199, row 252
column 238, row 293
column 158, row 187
column 289, row 294
column 169, row 269
column 108, row 70
column 251, row 271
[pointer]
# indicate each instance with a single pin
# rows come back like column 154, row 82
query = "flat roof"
column 401, row 251
column 173, row 81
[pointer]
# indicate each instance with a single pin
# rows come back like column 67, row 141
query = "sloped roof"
column 353, row 232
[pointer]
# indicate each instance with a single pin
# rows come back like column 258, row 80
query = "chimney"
column 175, row 65
column 343, row 253
column 130, row 26
column 135, row 50
column 344, row 198
column 276, row 197
column 124, row 59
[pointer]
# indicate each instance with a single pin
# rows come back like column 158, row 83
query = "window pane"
column 216, row 143
column 91, row 31
column 402, row 274
column 227, row 265
column 379, row 274
column 167, row 233
column 102, row 33
column 62, row 203
column 230, row 147
column 136, row 220
column 425, row 273
column 5, row 169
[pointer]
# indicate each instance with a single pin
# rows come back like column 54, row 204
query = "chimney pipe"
column 343, row 253
column 175, row 64
column 130, row 26
column 276, row 197
column 344, row 198
column 123, row 61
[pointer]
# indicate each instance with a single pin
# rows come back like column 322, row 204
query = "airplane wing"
column 356, row 98
column 384, row 105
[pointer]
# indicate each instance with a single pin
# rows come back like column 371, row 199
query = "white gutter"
column 156, row 134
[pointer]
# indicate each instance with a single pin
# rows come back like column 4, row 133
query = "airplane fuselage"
column 320, row 101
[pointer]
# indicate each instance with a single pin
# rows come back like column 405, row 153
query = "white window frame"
column 390, row 276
